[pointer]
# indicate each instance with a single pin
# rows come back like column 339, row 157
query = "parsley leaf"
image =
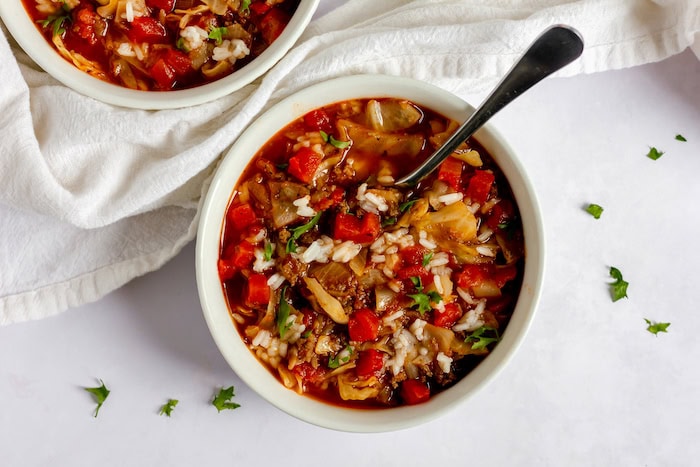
column 656, row 328
column 427, row 258
column 654, row 154
column 594, row 210
column 100, row 393
column 269, row 249
column 57, row 20
column 168, row 407
column 403, row 207
column 217, row 34
column 681, row 138
column 389, row 221
column 340, row 359
column 245, row 6
column 334, row 142
column 222, row 400
column 299, row 231
column 482, row 337
column 423, row 300
column 283, row 310
column 619, row 287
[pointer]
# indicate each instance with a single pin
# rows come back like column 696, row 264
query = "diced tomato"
column 308, row 373
column 415, row 270
column 318, row 120
column 448, row 317
column 179, row 61
column 241, row 216
column 503, row 274
column 414, row 391
column 166, row 5
column 308, row 318
column 85, row 24
column 369, row 362
column 272, row 24
column 363, row 325
column 257, row 292
column 260, row 8
column 480, row 186
column 304, row 163
column 470, row 276
column 349, row 227
column 501, row 214
column 450, row 172
column 413, row 255
column 147, row 29
column 240, row 254
column 335, row 198
column 163, row 74
column 226, row 269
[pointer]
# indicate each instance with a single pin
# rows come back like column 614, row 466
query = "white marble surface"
column 590, row 386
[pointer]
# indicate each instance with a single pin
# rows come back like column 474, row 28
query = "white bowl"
column 214, row 306
column 20, row 25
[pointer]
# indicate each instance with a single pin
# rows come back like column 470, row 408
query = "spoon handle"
column 555, row 48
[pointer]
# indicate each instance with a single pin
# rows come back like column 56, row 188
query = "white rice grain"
column 444, row 362
column 451, row 198
column 346, row 251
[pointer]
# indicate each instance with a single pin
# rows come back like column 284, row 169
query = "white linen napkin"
column 93, row 195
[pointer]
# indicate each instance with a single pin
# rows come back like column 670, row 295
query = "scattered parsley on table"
column 167, row 408
column 681, row 138
column 594, row 210
column 222, row 400
column 656, row 328
column 654, row 153
column 100, row 393
column 619, row 287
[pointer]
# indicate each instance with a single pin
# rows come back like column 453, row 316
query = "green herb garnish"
column 594, row 210
column 269, row 249
column 656, row 328
column 427, row 258
column 482, row 337
column 222, row 400
column 100, row 393
column 181, row 44
column 340, row 359
column 403, row 207
column 619, row 287
column 654, row 154
column 423, row 300
column 299, row 231
column 167, row 408
column 334, row 142
column 681, row 138
column 283, row 311
column 57, row 20
column 389, row 221
column 217, row 34
column 245, row 6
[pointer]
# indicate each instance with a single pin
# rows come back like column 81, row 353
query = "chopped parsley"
column 423, row 300
column 342, row 358
column 245, row 6
column 427, row 258
column 481, row 338
column 299, row 231
column 167, row 408
column 334, row 142
column 389, row 221
column 618, row 288
column 594, row 210
column 656, row 328
column 57, row 20
column 403, row 207
column 217, row 34
column 681, row 138
column 283, row 310
column 222, row 400
column 269, row 249
column 654, row 153
column 100, row 393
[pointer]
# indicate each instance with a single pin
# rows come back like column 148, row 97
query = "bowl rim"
column 215, row 309
column 18, row 22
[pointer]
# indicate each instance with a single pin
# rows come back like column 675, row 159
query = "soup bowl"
column 213, row 299
column 28, row 36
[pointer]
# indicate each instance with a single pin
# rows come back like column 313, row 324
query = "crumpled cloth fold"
column 93, row 195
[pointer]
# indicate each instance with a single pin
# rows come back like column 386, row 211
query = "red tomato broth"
column 150, row 52
column 333, row 189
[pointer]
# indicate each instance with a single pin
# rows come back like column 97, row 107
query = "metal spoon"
column 555, row 48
